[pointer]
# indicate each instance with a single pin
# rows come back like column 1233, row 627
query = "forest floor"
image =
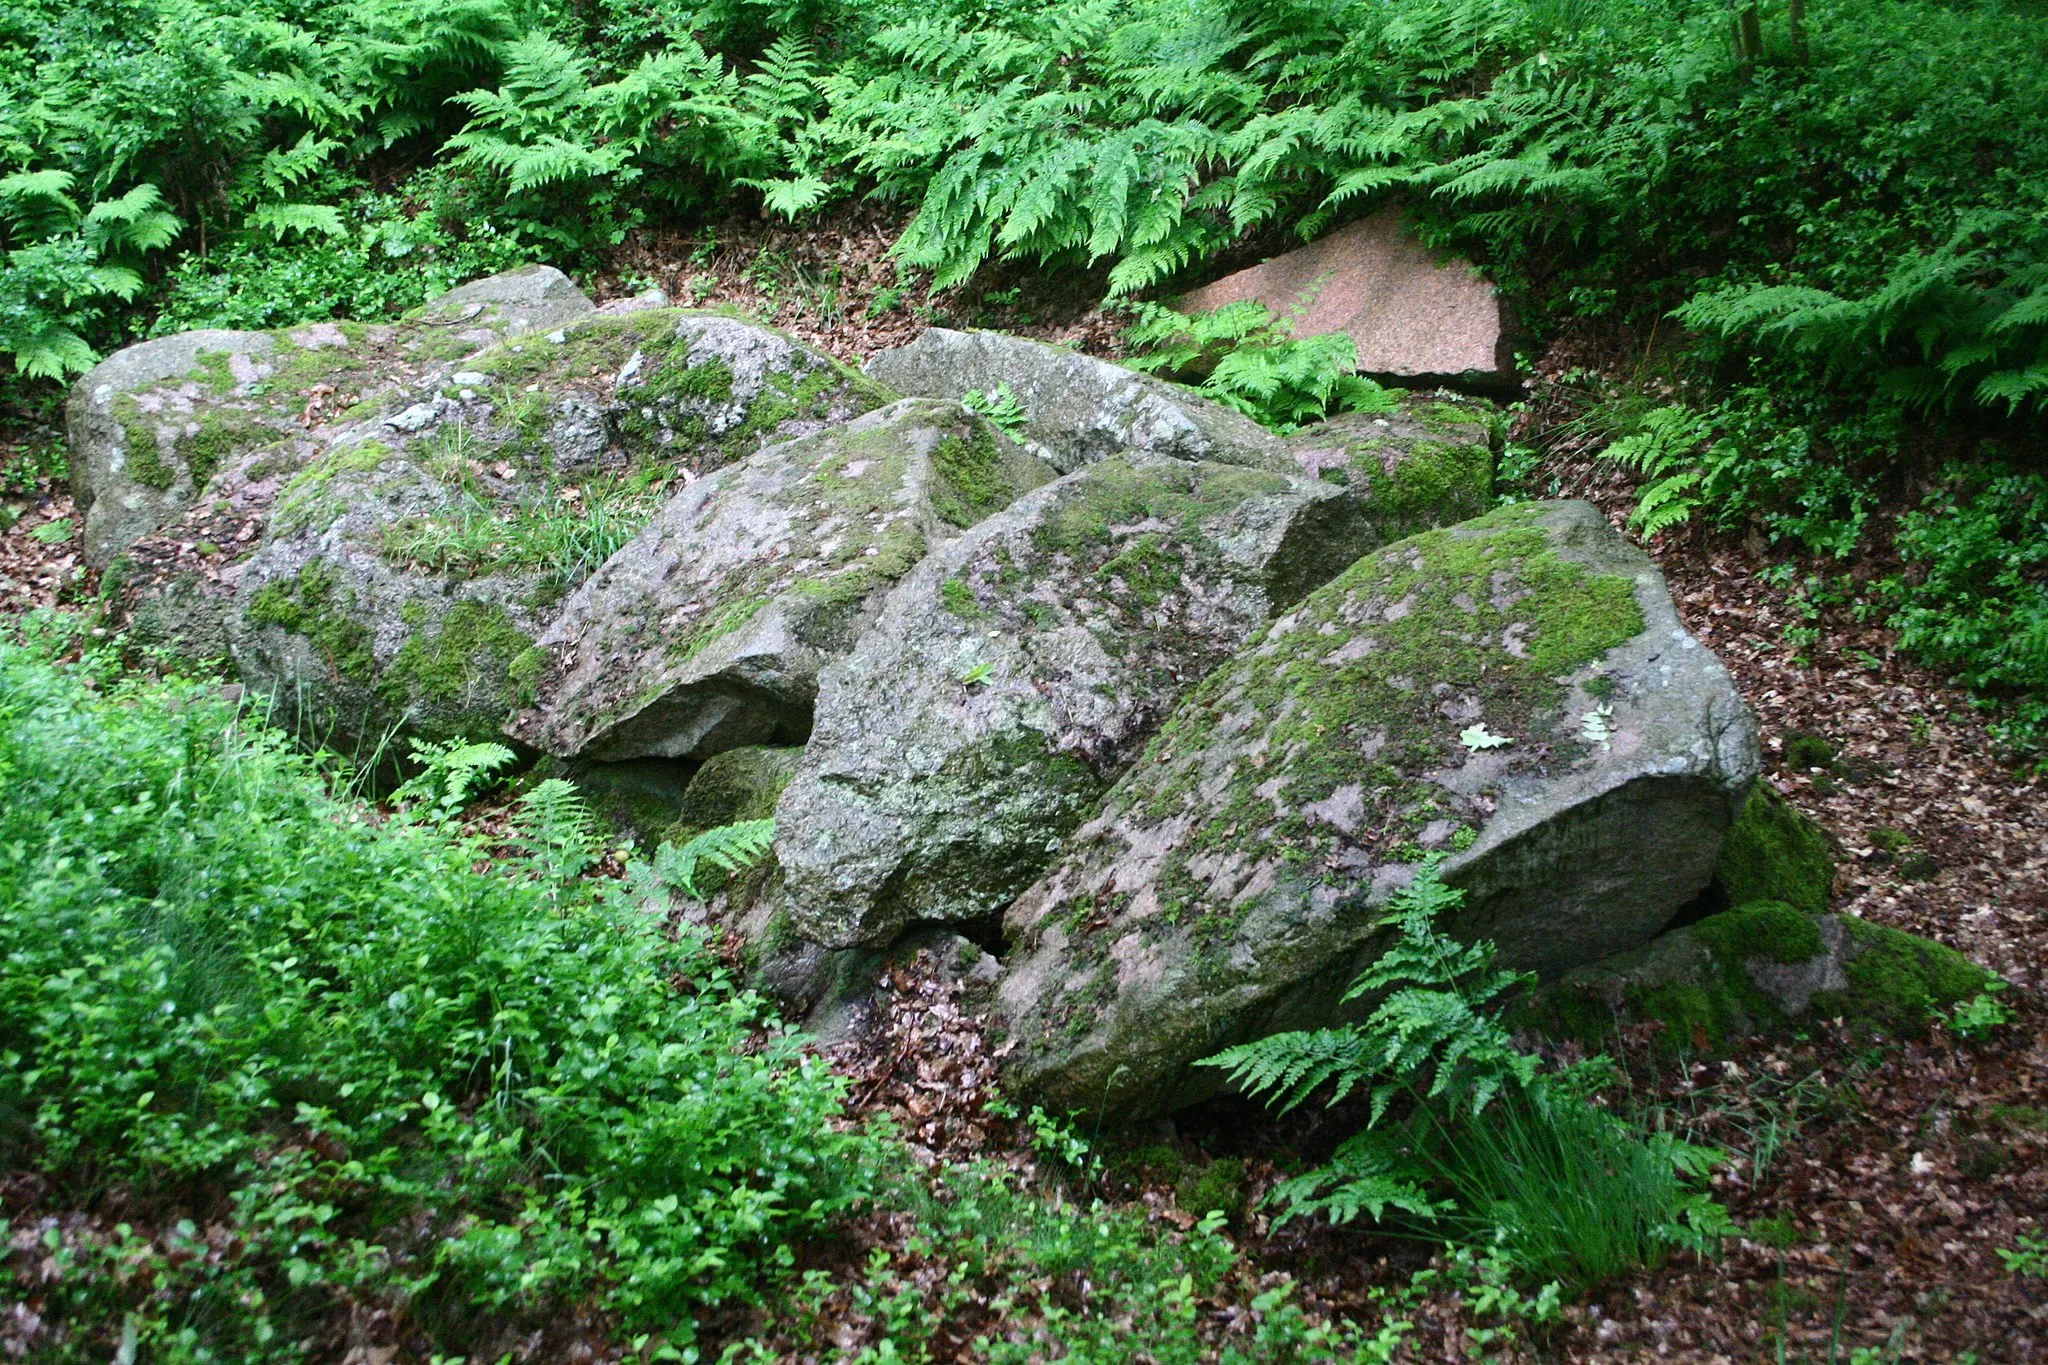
column 1879, row 1179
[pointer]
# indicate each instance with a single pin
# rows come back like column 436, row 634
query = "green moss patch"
column 1120, row 493
column 472, row 648
column 1900, row 981
column 1351, row 685
column 308, row 606
column 1771, row 930
column 1774, row 853
column 969, row 480
column 305, row 501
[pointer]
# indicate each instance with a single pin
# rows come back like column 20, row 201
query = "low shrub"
column 230, row 1000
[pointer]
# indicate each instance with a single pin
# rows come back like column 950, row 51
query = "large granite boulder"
column 1021, row 668
column 707, row 631
column 1077, row 409
column 407, row 571
column 1516, row 692
column 1417, row 319
column 153, row 425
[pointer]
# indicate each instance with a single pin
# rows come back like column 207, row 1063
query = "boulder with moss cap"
column 1754, row 969
column 1077, row 409
column 463, row 512
column 159, row 424
column 708, row 631
column 1427, row 462
column 1021, row 668
column 1516, row 692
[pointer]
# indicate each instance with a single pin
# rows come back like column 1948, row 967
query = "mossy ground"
column 1897, row 984
column 1899, row 981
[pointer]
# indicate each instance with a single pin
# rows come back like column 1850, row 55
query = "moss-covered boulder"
column 441, row 523
column 1427, row 463
column 1077, row 409
column 1021, row 668
column 1516, row 692
column 1776, row 853
column 1754, row 969
column 159, row 424
column 707, row 631
column 739, row 784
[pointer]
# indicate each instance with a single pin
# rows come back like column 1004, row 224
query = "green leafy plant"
column 729, row 848
column 451, row 772
column 1255, row 364
column 1974, row 600
column 67, row 266
column 397, row 1076
column 2028, row 1256
column 1664, row 449
column 558, row 830
column 1486, row 1147
column 999, row 405
column 1982, row 1013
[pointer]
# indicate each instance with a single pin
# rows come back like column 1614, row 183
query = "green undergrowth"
column 560, row 532
column 276, row 1058
column 380, row 1070
column 1465, row 1132
column 1251, row 361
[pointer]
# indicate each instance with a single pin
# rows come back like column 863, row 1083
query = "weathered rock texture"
column 534, row 298
column 153, row 425
column 708, row 631
column 1416, row 318
column 1229, row 885
column 407, row 570
column 1020, row 669
column 1077, row 409
column 1427, row 464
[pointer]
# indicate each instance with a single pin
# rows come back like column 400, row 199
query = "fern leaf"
column 310, row 220
column 730, row 848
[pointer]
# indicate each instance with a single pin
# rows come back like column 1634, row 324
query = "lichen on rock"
column 1427, row 463
column 1077, row 409
column 1021, row 668
column 1229, row 885
column 708, row 630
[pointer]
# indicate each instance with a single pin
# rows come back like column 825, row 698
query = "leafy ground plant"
column 229, row 1000
column 1464, row 1134
column 1255, row 364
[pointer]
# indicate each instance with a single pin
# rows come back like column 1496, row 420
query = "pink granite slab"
column 1416, row 317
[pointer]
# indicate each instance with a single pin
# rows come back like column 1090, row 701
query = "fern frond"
column 730, row 848
column 311, row 220
column 558, row 830
column 452, row 772
column 1287, row 1068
